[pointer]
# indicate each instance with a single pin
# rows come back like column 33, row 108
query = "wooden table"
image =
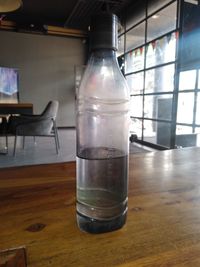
column 37, row 210
column 16, row 108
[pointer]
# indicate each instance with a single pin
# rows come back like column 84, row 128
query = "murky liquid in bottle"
column 101, row 189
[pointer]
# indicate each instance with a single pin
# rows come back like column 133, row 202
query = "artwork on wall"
column 8, row 85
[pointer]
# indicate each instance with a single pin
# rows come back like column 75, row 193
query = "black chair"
column 35, row 125
column 3, row 132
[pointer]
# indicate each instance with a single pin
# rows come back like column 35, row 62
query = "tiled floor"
column 44, row 150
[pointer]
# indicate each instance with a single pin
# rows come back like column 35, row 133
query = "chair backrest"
column 36, row 124
column 51, row 110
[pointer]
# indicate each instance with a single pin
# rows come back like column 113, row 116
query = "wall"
column 46, row 69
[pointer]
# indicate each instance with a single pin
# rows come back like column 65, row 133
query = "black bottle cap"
column 103, row 31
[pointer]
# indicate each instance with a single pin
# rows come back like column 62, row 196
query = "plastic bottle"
column 102, row 134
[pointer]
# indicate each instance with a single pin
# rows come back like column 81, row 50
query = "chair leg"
column 56, row 133
column 7, row 143
column 15, row 144
column 24, row 142
column 56, row 142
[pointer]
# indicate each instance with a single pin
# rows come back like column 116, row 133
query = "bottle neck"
column 105, row 53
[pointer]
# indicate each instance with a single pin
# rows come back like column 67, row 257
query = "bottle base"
column 94, row 226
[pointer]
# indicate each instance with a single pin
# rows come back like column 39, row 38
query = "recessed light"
column 155, row 16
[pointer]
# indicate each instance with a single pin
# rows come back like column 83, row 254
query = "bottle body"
column 102, row 145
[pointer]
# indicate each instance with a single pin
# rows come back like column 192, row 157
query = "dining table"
column 38, row 215
column 16, row 108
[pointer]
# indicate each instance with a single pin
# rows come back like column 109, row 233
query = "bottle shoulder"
column 104, row 83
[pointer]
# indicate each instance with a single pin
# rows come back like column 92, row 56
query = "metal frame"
column 177, row 63
column 54, row 134
column 173, row 93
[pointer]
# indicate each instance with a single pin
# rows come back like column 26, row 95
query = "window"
column 135, row 37
column 161, row 51
column 198, row 109
column 155, row 5
column 136, row 127
column 158, row 106
column 136, row 106
column 160, row 79
column 150, row 57
column 157, row 132
column 187, row 80
column 134, row 60
column 159, row 85
column 135, row 83
column 162, row 22
column 185, row 108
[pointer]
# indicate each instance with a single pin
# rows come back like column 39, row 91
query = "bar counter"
column 37, row 212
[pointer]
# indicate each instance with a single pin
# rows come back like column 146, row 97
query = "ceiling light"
column 9, row 5
column 155, row 16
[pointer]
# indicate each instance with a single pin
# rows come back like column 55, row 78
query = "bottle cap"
column 104, row 31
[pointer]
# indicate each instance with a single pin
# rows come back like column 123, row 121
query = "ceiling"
column 34, row 14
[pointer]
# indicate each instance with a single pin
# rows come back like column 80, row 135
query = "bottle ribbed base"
column 94, row 226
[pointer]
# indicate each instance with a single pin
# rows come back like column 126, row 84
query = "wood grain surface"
column 37, row 211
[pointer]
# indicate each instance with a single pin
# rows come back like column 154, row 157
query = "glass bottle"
column 102, row 134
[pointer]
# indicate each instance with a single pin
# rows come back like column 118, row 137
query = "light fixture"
column 9, row 5
column 155, row 16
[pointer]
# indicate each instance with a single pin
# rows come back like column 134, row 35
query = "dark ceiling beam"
column 48, row 29
column 65, row 31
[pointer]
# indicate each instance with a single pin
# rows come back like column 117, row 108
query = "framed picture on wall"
column 9, row 85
